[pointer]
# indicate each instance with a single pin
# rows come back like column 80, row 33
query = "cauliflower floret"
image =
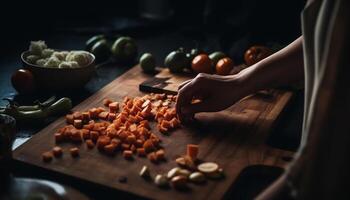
column 81, row 57
column 41, row 62
column 60, row 55
column 36, row 47
column 52, row 62
column 65, row 64
column 32, row 59
column 74, row 64
column 47, row 53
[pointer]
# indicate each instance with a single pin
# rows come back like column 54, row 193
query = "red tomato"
column 23, row 81
column 224, row 66
column 202, row 64
column 256, row 53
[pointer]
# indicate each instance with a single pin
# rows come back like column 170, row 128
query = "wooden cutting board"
column 233, row 138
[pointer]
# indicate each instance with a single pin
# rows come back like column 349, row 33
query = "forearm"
column 283, row 68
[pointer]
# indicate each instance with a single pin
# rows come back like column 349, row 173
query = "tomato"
column 23, row 81
column 202, row 64
column 224, row 66
column 256, row 53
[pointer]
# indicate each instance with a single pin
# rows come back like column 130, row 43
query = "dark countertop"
column 286, row 135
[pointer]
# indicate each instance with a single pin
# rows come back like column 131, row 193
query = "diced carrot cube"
column 78, row 123
column 76, row 135
column 93, row 113
column 89, row 126
column 103, row 115
column 152, row 157
column 86, row 117
column 106, row 102
column 141, row 152
column 127, row 154
column 77, row 115
column 133, row 148
column 160, row 154
column 148, row 145
column 165, row 124
column 74, row 152
column 116, row 142
column 85, row 133
column 47, row 156
column 103, row 141
column 100, row 109
column 57, row 151
column 133, row 128
column 162, row 129
column 59, row 137
column 113, row 107
column 69, row 119
column 89, row 144
column 110, row 148
column 111, row 116
column 94, row 135
column 192, row 151
column 138, row 143
column 125, row 146
column 131, row 139
column 122, row 135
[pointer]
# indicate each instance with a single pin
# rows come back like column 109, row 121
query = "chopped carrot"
column 127, row 154
column 94, row 135
column 160, row 154
column 148, row 145
column 131, row 139
column 141, row 152
column 93, row 113
column 116, row 142
column 103, row 115
column 103, row 141
column 59, row 137
column 47, row 156
column 76, row 135
column 110, row 148
column 85, row 133
column 69, row 119
column 57, row 151
column 113, row 107
column 192, row 151
column 106, row 102
column 111, row 116
column 165, row 124
column 100, row 109
column 78, row 123
column 125, row 146
column 152, row 157
column 74, row 152
column 89, row 144
column 77, row 115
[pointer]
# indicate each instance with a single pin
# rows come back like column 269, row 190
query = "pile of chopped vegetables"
column 126, row 130
column 43, row 56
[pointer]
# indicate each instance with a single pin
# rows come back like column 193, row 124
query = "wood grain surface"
column 234, row 138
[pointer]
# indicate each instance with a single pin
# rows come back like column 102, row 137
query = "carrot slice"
column 103, row 115
column 110, row 148
column 160, row 154
column 152, row 157
column 148, row 145
column 94, row 135
column 85, row 133
column 131, row 139
column 103, row 141
column 76, row 135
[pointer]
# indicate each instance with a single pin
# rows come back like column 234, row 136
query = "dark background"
column 231, row 26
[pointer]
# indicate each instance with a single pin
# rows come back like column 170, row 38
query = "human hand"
column 213, row 92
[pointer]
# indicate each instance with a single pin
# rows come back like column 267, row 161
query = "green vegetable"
column 124, row 49
column 147, row 62
column 92, row 41
column 101, row 50
column 176, row 61
column 39, row 112
column 216, row 56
